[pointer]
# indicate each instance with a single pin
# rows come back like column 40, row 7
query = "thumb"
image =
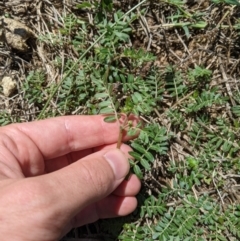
column 87, row 180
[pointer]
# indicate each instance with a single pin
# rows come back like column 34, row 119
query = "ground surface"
column 176, row 64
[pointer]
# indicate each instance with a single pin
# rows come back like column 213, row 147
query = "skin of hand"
column 61, row 173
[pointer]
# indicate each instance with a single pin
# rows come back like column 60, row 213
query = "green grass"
column 181, row 78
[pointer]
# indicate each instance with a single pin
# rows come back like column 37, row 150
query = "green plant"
column 34, row 86
column 152, row 139
column 174, row 82
column 5, row 118
column 199, row 76
column 81, row 58
column 204, row 100
column 179, row 223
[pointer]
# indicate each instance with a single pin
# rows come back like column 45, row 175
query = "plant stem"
column 119, row 143
column 120, row 136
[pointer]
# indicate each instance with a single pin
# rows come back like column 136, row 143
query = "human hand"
column 61, row 173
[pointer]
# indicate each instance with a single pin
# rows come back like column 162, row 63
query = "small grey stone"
column 9, row 86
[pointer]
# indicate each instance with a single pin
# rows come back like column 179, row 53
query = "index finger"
column 58, row 136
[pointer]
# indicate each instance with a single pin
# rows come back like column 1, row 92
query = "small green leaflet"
column 136, row 155
column 138, row 171
column 110, row 119
column 105, row 103
column 138, row 148
column 101, row 95
column 132, row 132
column 231, row 2
column 84, row 5
column 106, row 110
column 145, row 164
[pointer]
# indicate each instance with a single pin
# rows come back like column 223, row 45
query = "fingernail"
column 118, row 162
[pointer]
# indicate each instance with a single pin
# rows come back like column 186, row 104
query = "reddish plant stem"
column 119, row 143
column 120, row 136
